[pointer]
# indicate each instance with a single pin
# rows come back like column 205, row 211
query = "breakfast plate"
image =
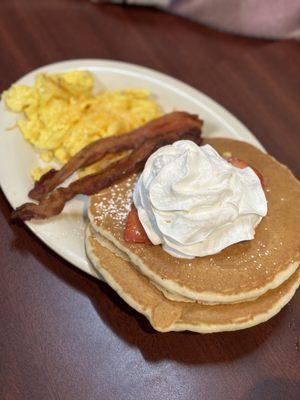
column 65, row 233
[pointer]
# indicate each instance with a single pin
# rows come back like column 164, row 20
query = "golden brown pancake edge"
column 165, row 315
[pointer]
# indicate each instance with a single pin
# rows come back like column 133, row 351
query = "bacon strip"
column 173, row 122
column 90, row 184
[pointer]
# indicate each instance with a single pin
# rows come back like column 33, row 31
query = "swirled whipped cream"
column 195, row 203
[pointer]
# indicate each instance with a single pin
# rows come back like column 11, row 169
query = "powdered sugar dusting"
column 116, row 203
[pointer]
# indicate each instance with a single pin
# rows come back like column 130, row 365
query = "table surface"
column 63, row 334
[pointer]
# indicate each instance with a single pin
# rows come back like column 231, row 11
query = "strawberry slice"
column 238, row 163
column 134, row 231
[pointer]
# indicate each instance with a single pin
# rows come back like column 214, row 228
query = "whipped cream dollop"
column 195, row 203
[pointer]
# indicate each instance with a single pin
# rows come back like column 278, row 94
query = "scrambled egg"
column 62, row 115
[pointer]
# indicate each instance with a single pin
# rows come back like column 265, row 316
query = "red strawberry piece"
column 134, row 231
column 238, row 163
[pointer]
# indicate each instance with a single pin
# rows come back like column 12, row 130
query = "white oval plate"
column 65, row 233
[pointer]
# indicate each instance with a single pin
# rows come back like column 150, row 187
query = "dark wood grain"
column 64, row 335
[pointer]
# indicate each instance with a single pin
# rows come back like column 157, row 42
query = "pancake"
column 110, row 246
column 165, row 315
column 243, row 271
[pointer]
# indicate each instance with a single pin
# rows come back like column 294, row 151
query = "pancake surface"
column 165, row 315
column 242, row 271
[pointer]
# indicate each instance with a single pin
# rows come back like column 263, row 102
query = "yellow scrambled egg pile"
column 62, row 115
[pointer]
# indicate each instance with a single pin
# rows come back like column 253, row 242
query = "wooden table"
column 64, row 335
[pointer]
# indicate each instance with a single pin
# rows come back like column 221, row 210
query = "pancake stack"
column 242, row 286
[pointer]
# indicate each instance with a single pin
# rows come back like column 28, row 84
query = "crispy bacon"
column 91, row 184
column 169, row 123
